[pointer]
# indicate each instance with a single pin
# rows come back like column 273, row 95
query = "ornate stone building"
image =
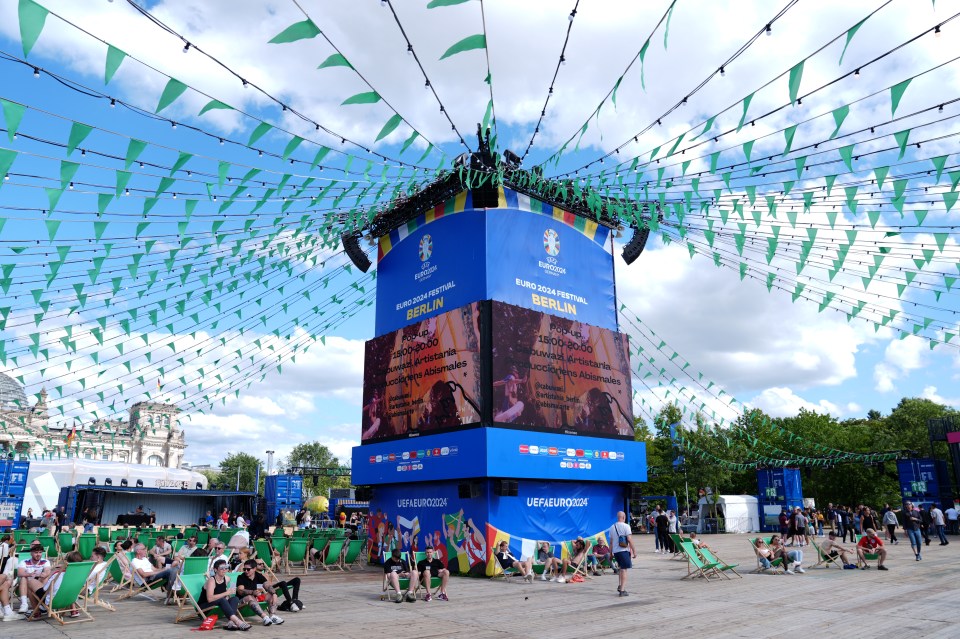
column 151, row 435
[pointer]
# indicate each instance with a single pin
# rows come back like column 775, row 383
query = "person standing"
column 890, row 521
column 936, row 516
column 623, row 550
column 952, row 515
column 911, row 525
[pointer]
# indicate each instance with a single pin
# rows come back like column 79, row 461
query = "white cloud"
column 930, row 392
column 901, row 357
column 783, row 402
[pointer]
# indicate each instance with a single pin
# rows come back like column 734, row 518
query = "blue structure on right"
column 924, row 482
column 778, row 488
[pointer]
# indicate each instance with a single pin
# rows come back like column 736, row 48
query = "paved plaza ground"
column 913, row 599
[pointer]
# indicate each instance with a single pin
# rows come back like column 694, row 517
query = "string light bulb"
column 173, row 125
column 426, row 85
column 856, row 73
column 936, row 31
column 221, row 141
column 769, row 29
column 244, row 83
column 36, row 72
column 186, row 47
column 113, row 102
column 410, row 50
column 573, row 14
column 723, row 72
column 563, row 60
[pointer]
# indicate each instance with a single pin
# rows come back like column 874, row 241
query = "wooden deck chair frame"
column 580, row 568
column 265, row 558
column 94, row 597
column 775, row 564
column 824, row 559
column 435, row 582
column 333, row 555
column 696, row 566
column 121, row 566
column 66, row 599
column 352, row 555
column 722, row 566
column 134, row 589
column 297, row 555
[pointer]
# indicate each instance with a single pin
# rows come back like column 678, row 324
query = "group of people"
column 591, row 558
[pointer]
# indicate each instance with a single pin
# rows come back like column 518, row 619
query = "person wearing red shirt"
column 871, row 543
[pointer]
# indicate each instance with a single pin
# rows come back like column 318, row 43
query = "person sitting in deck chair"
column 508, row 561
column 831, row 548
column 144, row 572
column 579, row 554
column 551, row 565
column 431, row 567
column 163, row 553
column 254, row 587
column 33, row 574
column 764, row 554
column 44, row 595
column 870, row 543
column 188, row 549
column 601, row 553
column 99, row 556
column 396, row 568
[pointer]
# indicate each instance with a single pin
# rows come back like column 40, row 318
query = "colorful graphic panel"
column 431, row 265
column 414, row 517
column 556, row 373
column 549, row 260
column 424, row 377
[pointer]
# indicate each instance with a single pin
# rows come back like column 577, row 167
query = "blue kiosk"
column 497, row 393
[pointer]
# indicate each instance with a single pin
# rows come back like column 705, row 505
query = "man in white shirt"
column 217, row 552
column 163, row 552
column 144, row 572
column 936, row 515
column 621, row 542
column 188, row 548
column 33, row 574
column 952, row 517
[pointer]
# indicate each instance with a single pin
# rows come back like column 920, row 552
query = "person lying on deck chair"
column 579, row 554
column 508, row 561
column 396, row 568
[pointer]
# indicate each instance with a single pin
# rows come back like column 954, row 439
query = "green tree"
column 317, row 455
column 244, row 466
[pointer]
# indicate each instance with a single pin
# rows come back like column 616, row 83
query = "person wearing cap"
column 397, row 567
column 831, row 548
column 33, row 574
column 871, row 543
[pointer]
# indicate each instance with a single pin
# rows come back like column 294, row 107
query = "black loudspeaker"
column 637, row 243
column 363, row 493
column 468, row 491
column 351, row 244
column 635, row 493
column 506, row 487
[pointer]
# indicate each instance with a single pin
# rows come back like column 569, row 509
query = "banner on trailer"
column 551, row 261
column 554, row 373
column 416, row 516
column 430, row 265
column 424, row 377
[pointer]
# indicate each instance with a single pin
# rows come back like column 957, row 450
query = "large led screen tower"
column 497, row 396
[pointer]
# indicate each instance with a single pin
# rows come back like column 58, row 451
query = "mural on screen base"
column 465, row 530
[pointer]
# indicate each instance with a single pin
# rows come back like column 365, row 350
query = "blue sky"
column 763, row 348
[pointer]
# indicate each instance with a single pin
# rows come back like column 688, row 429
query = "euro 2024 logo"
column 551, row 242
column 426, row 248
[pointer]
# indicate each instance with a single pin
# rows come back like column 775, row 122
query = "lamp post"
column 270, row 462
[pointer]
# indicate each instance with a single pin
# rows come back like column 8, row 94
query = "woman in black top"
column 216, row 592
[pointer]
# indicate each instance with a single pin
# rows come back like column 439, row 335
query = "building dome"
column 11, row 394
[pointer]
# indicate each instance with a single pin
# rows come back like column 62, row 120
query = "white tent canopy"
column 740, row 512
column 46, row 478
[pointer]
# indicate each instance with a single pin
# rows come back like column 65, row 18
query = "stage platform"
column 911, row 599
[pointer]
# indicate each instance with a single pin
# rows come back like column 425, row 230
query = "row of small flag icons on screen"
column 423, row 453
column 553, row 451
